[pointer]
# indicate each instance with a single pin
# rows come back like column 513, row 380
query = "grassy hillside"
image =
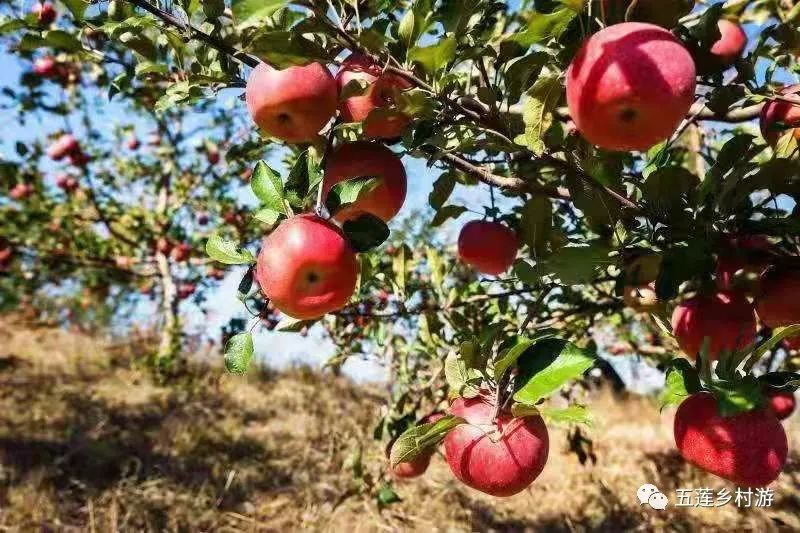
column 89, row 440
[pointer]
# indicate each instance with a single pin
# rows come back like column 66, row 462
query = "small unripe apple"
column 380, row 93
column 726, row 318
column 731, row 43
column 45, row 13
column 291, row 104
column 63, row 146
column 778, row 303
column 782, row 403
column 629, row 86
column 488, row 247
column 181, row 252
column 365, row 159
column 779, row 116
column 45, row 67
column 498, row 457
column 306, row 267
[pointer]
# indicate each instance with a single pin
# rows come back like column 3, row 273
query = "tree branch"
column 196, row 33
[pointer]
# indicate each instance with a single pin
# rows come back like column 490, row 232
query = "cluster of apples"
column 307, row 267
column 179, row 252
column 498, row 456
column 67, row 145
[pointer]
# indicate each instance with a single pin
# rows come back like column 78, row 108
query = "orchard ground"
column 91, row 440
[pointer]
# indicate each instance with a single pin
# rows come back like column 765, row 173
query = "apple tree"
column 625, row 166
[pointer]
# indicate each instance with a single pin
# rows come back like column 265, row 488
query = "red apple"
column 782, row 403
column 780, row 116
column 731, row 43
column 202, row 219
column 417, row 466
column 291, row 104
column 362, row 159
column 67, row 183
column 726, row 318
column 185, row 290
column 79, row 158
column 163, row 246
column 778, row 303
column 499, row 457
column 748, row 449
column 45, row 13
column 154, row 139
column 63, row 146
column 307, row 267
column 133, row 142
column 21, row 191
column 792, row 343
column 181, row 252
column 629, row 86
column 215, row 273
column 740, row 257
column 6, row 253
column 380, row 94
column 488, row 247
column 45, row 67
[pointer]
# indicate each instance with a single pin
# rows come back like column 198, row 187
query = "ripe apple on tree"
column 749, row 448
column 782, row 403
column 778, row 117
column 500, row 457
column 45, row 13
column 366, row 159
column 306, row 267
column 419, row 465
column 291, row 104
column 380, row 94
column 64, row 146
column 731, row 43
column 727, row 319
column 489, row 247
column 629, row 86
column 777, row 305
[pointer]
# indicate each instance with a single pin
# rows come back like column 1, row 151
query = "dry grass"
column 92, row 442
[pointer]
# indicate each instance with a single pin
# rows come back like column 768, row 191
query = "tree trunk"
column 169, row 346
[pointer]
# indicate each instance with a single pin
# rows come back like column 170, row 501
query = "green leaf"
column 574, row 414
column 447, row 212
column 668, row 189
column 739, row 396
column 464, row 381
column 285, row 48
column 510, row 357
column 350, row 191
column 267, row 216
column 537, row 115
column 547, row 366
column 575, row 265
column 754, row 355
column 537, row 224
column 288, row 323
column 77, row 8
column 11, row 25
column 387, row 496
column 400, row 262
column 681, row 382
column 522, row 73
column 227, row 252
column 682, row 263
column 405, row 30
column 436, row 56
column 251, row 12
column 365, row 232
column 421, row 439
column 268, row 187
column 544, row 26
column 63, row 40
column 239, row 353
column 442, row 188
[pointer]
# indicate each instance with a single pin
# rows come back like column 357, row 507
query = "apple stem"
column 630, row 10
column 323, row 162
